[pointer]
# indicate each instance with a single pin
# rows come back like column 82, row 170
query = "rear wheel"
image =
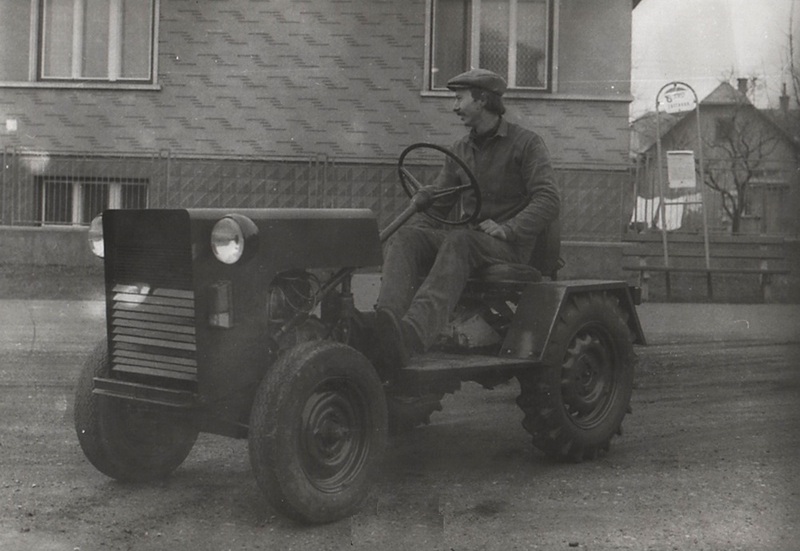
column 318, row 431
column 575, row 403
column 123, row 439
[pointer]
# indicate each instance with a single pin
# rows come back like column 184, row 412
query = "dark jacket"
column 515, row 176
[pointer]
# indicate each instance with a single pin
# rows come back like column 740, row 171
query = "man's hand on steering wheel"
column 494, row 229
column 425, row 196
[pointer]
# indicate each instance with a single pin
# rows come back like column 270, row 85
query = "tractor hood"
column 278, row 240
column 300, row 238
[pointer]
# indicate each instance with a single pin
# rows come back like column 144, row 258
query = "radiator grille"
column 159, row 265
column 153, row 332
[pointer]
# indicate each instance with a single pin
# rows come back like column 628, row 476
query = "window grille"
column 76, row 201
column 510, row 37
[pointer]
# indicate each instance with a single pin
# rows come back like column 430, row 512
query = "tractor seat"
column 545, row 262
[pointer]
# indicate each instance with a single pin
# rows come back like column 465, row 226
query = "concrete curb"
column 684, row 323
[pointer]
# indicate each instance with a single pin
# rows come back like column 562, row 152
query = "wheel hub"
column 587, row 378
column 330, row 434
column 334, row 445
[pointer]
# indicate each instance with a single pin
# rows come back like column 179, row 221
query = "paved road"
column 708, row 459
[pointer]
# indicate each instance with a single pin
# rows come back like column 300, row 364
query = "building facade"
column 178, row 103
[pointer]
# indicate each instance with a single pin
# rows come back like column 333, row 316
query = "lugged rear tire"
column 575, row 403
column 127, row 441
column 318, row 431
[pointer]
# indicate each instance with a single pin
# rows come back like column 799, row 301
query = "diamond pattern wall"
column 594, row 204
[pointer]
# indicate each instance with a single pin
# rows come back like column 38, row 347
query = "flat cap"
column 479, row 78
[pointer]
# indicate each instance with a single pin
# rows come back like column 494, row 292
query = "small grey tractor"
column 241, row 323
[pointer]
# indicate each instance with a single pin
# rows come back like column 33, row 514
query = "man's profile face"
column 467, row 108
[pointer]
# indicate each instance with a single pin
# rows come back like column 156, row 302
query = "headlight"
column 96, row 236
column 232, row 236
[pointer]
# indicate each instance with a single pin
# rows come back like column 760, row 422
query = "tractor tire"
column 318, row 431
column 125, row 440
column 575, row 403
column 409, row 412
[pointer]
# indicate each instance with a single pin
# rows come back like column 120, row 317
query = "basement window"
column 68, row 201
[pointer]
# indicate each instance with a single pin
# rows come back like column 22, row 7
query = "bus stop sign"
column 677, row 99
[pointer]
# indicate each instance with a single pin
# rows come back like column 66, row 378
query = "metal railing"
column 40, row 189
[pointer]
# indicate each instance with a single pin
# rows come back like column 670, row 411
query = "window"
column 510, row 37
column 64, row 41
column 72, row 201
column 724, row 130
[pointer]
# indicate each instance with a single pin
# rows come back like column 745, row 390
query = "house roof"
column 787, row 121
column 725, row 94
column 643, row 129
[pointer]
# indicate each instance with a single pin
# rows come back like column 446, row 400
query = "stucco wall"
column 42, row 247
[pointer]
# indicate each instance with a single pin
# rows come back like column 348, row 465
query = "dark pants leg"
column 454, row 254
column 407, row 258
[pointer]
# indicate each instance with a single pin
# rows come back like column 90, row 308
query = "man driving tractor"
column 519, row 199
column 217, row 322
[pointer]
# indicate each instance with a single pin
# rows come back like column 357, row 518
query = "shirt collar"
column 501, row 130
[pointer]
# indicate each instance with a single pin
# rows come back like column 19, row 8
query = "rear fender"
column 541, row 304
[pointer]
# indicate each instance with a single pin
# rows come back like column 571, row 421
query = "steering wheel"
column 412, row 186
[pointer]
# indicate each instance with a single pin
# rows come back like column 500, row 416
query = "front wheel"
column 123, row 439
column 575, row 403
column 318, row 431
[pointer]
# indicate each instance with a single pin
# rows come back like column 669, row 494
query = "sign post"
column 678, row 97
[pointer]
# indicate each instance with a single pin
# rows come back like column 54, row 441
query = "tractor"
column 242, row 323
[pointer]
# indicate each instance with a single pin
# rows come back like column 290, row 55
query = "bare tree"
column 738, row 151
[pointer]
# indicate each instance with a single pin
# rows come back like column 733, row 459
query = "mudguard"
column 541, row 304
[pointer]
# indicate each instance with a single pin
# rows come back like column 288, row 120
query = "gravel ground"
column 708, row 459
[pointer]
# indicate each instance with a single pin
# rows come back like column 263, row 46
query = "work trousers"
column 445, row 258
